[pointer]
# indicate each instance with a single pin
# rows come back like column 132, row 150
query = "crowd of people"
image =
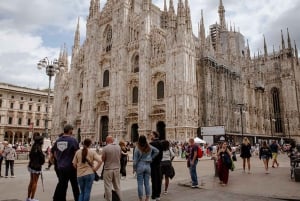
column 152, row 163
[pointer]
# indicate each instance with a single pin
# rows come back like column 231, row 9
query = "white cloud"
column 31, row 30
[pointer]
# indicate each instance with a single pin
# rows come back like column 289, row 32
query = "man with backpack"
column 193, row 161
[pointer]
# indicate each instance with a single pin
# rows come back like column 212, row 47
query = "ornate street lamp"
column 52, row 68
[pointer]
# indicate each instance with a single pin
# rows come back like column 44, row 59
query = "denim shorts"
column 265, row 157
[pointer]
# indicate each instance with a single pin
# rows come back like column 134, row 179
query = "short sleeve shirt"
column 112, row 153
column 193, row 149
column 64, row 149
column 84, row 168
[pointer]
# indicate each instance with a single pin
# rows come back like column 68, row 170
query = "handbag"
column 172, row 171
column 97, row 177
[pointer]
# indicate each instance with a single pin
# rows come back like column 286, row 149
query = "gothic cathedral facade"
column 141, row 68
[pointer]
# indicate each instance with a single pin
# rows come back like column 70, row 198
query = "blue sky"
column 32, row 30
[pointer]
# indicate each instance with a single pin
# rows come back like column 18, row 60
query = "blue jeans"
column 143, row 173
column 85, row 185
column 193, row 173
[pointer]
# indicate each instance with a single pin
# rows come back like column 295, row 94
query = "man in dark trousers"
column 156, row 177
column 64, row 150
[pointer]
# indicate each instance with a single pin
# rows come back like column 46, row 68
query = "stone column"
column 13, row 139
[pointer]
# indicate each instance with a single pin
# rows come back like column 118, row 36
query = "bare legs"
column 248, row 164
column 266, row 163
column 166, row 184
column 32, row 185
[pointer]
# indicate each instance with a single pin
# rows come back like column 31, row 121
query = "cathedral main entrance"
column 161, row 129
column 104, row 128
column 134, row 133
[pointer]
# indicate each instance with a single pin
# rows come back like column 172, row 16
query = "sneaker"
column 28, row 199
column 13, row 176
column 157, row 199
column 34, row 200
column 195, row 186
column 6, row 176
column 165, row 192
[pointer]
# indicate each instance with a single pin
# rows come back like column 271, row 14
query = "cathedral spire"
column 289, row 39
column 64, row 56
column 97, row 7
column 77, row 35
column 92, row 6
column 296, row 53
column 188, row 15
column 282, row 41
column 171, row 7
column 222, row 15
column 248, row 50
column 180, row 13
column 164, row 16
column 265, row 48
column 171, row 15
column 202, row 30
column 165, row 5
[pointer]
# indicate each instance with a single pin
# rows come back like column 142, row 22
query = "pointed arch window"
column 135, row 95
column 106, row 78
column 277, row 110
column 67, row 107
column 108, row 38
column 81, row 80
column 136, row 61
column 80, row 105
column 160, row 90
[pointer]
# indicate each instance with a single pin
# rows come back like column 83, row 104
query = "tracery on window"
column 108, row 38
column 135, row 95
column 135, row 64
column 277, row 110
column 160, row 90
column 106, row 78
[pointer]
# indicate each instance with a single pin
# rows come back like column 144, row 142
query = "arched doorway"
column 161, row 129
column 134, row 133
column 79, row 135
column 104, row 128
column 8, row 136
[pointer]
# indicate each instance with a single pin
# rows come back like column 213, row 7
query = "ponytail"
column 86, row 144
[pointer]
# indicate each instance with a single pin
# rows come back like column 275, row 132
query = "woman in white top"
column 166, row 163
column 83, row 161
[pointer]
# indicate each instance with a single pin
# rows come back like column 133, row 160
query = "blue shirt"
column 64, row 149
column 138, row 156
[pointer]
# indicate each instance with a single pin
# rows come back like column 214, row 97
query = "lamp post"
column 241, row 106
column 51, row 67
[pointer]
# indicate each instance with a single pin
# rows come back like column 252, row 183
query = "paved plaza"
column 242, row 186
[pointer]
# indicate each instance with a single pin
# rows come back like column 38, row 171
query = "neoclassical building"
column 141, row 68
column 22, row 113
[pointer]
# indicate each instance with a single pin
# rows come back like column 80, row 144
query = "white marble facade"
column 141, row 68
